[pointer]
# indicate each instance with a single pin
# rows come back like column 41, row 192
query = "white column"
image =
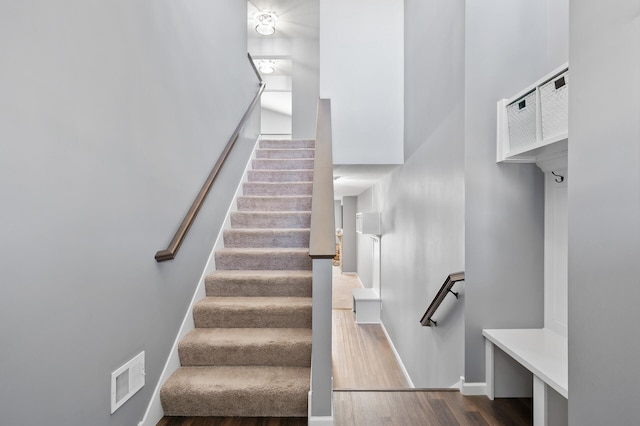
column 321, row 393
column 540, row 406
column 489, row 368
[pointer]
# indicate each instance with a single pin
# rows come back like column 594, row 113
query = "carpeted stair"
column 250, row 353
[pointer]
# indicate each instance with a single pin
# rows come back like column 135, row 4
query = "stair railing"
column 444, row 290
column 322, row 250
column 170, row 252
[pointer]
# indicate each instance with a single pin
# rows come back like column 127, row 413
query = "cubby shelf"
column 548, row 99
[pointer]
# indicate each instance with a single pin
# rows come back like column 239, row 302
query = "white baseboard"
column 154, row 411
column 397, row 355
column 471, row 389
column 320, row 420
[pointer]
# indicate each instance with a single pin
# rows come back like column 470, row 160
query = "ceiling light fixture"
column 266, row 23
column 267, row 66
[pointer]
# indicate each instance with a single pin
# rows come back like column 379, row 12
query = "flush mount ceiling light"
column 266, row 66
column 266, row 23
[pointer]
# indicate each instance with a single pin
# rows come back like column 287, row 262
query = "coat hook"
column 559, row 178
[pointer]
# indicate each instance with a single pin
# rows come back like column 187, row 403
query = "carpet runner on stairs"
column 250, row 353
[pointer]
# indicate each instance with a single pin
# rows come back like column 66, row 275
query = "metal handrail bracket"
column 444, row 290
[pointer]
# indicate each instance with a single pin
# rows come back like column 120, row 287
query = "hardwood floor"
column 420, row 408
column 370, row 389
column 362, row 356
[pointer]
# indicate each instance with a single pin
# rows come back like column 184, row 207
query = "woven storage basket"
column 521, row 115
column 554, row 101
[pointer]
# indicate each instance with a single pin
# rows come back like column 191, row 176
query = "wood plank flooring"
column 362, row 356
column 374, row 390
column 420, row 408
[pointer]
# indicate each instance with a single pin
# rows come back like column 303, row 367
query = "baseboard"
column 320, row 420
column 154, row 411
column 471, row 389
column 397, row 355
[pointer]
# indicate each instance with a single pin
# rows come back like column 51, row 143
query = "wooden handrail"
column 170, row 252
column 322, row 242
column 444, row 290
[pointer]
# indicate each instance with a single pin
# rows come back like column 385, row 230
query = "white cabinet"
column 533, row 124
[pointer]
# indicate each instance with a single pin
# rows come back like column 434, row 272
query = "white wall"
column 349, row 242
column 302, row 48
column 361, row 71
column 509, row 45
column 422, row 202
column 112, row 114
column 604, row 207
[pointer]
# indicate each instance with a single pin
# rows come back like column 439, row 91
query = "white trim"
column 397, row 355
column 472, row 389
column 320, row 420
column 154, row 411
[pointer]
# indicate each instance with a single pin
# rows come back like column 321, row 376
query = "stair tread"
column 217, row 378
column 256, row 391
column 259, row 283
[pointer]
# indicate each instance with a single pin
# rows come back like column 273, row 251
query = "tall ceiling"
column 300, row 19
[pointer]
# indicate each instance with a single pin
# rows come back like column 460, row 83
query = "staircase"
column 250, row 352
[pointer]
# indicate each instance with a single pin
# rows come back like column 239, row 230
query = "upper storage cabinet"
column 532, row 125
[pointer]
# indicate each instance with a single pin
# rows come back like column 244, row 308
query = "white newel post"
column 320, row 398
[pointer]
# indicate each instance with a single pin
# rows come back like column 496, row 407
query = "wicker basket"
column 554, row 101
column 521, row 115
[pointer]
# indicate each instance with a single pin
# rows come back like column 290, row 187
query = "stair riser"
column 284, row 153
column 273, row 354
column 295, row 164
column 280, row 175
column 284, row 144
column 277, row 188
column 267, row 261
column 236, row 238
column 240, row 288
column 224, row 317
column 270, row 220
column 301, row 203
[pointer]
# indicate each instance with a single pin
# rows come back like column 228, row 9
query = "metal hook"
column 559, row 178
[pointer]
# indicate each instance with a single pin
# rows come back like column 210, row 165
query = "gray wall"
column 306, row 86
column 604, row 207
column 507, row 45
column 111, row 116
column 349, row 242
column 364, row 243
column 450, row 207
column 422, row 201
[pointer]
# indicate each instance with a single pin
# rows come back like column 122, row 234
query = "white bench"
column 366, row 305
column 540, row 351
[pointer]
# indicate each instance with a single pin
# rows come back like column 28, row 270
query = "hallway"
column 362, row 356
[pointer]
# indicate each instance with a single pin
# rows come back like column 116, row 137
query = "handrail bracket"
column 426, row 319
